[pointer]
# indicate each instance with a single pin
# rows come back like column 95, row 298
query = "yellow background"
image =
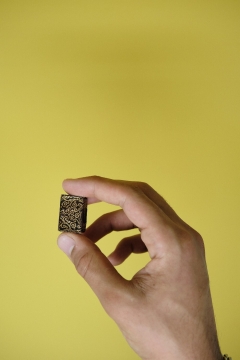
column 130, row 89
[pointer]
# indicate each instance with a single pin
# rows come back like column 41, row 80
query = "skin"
column 165, row 311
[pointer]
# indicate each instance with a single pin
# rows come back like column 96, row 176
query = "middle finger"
column 105, row 224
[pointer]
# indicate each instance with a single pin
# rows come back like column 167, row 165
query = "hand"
column 165, row 311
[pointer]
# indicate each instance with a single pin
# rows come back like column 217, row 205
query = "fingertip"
column 66, row 243
column 66, row 182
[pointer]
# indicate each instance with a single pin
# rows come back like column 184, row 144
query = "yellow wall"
column 129, row 89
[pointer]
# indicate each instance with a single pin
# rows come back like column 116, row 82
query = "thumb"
column 94, row 267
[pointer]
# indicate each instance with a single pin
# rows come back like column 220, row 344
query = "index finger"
column 141, row 210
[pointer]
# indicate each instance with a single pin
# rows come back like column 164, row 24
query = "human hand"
column 165, row 311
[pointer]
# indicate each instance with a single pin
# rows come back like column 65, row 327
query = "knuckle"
column 141, row 185
column 125, row 241
column 200, row 241
column 186, row 240
column 95, row 178
column 144, row 186
column 191, row 241
column 185, row 236
column 104, row 218
column 135, row 188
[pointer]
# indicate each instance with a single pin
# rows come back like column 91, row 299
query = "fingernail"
column 66, row 244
